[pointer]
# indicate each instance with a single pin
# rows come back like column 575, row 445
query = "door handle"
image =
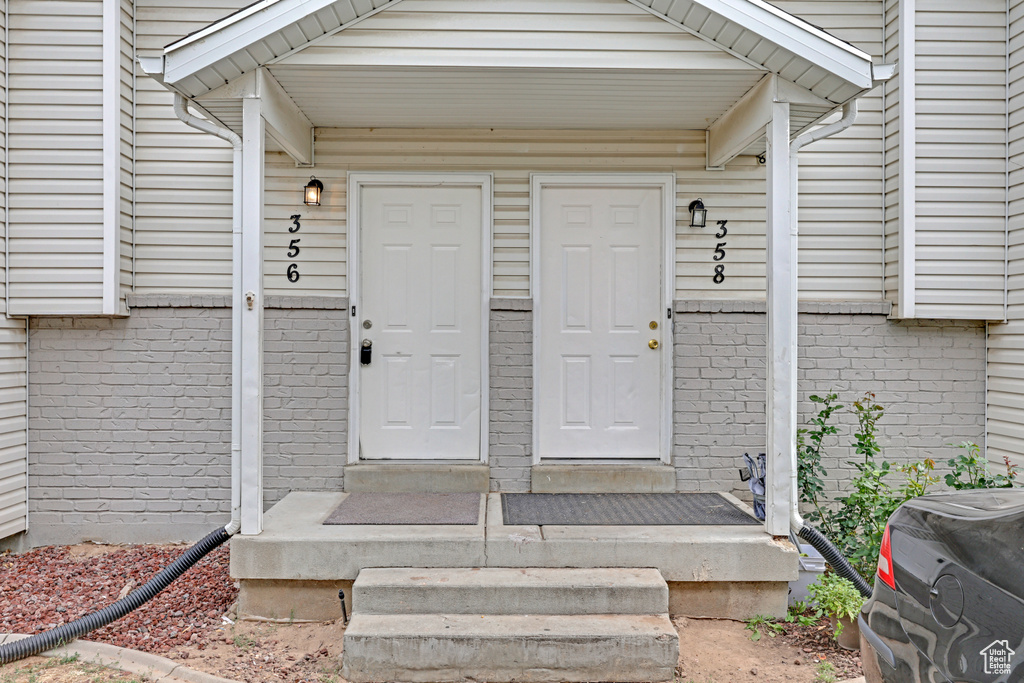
column 365, row 352
column 653, row 343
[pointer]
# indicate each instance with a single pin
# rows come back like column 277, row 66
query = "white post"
column 249, row 298
column 781, row 340
column 111, row 157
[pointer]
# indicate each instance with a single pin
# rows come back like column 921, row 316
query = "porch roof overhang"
column 254, row 51
column 751, row 30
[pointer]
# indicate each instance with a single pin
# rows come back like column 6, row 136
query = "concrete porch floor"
column 294, row 569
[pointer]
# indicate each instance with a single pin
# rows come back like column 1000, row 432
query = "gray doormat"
column 620, row 509
column 407, row 508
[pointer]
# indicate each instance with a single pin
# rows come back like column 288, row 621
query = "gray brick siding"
column 928, row 375
column 511, row 397
column 130, row 419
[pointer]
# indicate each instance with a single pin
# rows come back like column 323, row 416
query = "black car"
column 948, row 600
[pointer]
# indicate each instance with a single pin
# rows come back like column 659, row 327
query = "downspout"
column 796, row 521
column 181, row 111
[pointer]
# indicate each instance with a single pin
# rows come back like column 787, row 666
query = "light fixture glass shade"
column 312, row 192
column 698, row 214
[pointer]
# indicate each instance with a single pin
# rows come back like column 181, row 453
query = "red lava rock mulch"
column 47, row 587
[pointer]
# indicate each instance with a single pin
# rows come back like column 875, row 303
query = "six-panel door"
column 421, row 311
column 601, row 330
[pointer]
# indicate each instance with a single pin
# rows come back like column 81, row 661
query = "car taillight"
column 885, row 561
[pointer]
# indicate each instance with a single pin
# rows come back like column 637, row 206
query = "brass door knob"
column 653, row 343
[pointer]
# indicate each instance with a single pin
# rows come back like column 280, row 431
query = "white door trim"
column 356, row 181
column 666, row 182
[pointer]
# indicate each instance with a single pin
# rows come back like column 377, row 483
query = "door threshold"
column 417, row 476
column 650, row 476
column 640, row 462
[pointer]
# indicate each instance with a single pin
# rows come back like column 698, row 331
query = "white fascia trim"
column 233, row 18
column 796, row 36
column 219, row 41
column 228, row 36
column 908, row 160
column 111, row 155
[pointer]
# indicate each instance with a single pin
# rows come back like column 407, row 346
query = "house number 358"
column 293, row 250
column 719, row 276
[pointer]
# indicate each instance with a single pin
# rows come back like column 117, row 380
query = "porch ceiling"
column 511, row 98
column 552, row 99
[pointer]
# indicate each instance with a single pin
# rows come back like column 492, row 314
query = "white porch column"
column 781, row 338
column 248, row 297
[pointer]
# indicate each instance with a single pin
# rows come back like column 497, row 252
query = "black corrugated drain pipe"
column 834, row 558
column 65, row 633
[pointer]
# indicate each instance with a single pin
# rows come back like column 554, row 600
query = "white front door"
column 602, row 322
column 420, row 308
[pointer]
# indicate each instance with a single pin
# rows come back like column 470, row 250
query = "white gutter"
column 796, row 522
column 181, row 111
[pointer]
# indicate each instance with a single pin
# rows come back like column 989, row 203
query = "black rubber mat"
column 407, row 508
column 620, row 509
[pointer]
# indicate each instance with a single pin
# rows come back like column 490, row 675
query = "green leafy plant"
column 856, row 524
column 825, row 673
column 970, row 471
column 837, row 597
column 803, row 614
column 866, row 437
column 810, row 446
column 760, row 623
column 919, row 478
column 244, row 642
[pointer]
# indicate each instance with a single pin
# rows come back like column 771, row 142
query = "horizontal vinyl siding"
column 183, row 239
column 55, row 156
column 3, row 162
column 735, row 195
column 840, row 210
column 13, row 392
column 13, row 451
column 183, row 177
column 891, row 158
column 127, row 144
column 511, row 33
column 1005, row 396
column 961, row 149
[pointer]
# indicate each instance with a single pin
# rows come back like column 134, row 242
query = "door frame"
column 359, row 180
column 666, row 182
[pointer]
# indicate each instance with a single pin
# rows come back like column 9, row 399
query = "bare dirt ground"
column 43, row 670
column 192, row 623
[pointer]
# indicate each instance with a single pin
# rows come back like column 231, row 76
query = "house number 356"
column 293, row 250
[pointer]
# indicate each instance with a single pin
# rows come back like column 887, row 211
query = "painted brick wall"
column 511, row 395
column 928, row 375
column 130, row 419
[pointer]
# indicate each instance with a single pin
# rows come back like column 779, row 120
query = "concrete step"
column 494, row 590
column 499, row 648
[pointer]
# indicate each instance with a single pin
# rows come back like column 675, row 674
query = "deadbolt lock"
column 654, row 325
column 653, row 343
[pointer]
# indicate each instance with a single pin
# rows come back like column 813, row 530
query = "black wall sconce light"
column 698, row 214
column 311, row 193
